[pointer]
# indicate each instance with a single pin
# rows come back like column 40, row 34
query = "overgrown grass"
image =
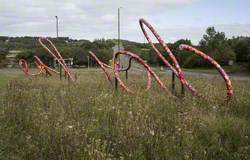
column 6, row 75
column 44, row 118
column 3, row 81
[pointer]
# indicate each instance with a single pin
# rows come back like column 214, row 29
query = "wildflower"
column 130, row 113
column 179, row 129
column 28, row 137
column 152, row 132
column 70, row 127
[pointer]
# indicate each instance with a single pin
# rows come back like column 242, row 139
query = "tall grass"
column 44, row 118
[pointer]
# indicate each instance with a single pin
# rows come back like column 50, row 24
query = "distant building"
column 122, row 58
column 68, row 61
column 116, row 48
column 11, row 58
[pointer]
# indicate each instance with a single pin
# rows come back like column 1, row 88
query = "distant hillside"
column 213, row 43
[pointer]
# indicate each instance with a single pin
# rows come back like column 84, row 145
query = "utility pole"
column 56, row 26
column 119, row 48
column 60, row 67
column 118, row 27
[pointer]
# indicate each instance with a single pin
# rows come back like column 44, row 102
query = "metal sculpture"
column 214, row 63
column 104, row 66
column 139, row 60
column 175, row 67
column 45, row 68
column 24, row 66
column 40, row 65
column 52, row 50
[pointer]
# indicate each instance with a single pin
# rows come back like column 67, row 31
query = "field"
column 45, row 118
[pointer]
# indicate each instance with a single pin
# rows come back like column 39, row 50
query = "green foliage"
column 194, row 61
column 3, row 54
column 241, row 46
column 183, row 57
column 248, row 64
column 216, row 45
column 213, row 43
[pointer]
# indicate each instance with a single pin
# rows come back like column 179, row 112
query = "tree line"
column 214, row 43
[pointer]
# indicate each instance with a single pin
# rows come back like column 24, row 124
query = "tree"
column 182, row 56
column 216, row 45
column 241, row 47
column 2, row 57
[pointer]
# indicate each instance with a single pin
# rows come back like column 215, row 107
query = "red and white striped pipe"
column 56, row 54
column 104, row 66
column 175, row 67
column 141, row 61
column 215, row 64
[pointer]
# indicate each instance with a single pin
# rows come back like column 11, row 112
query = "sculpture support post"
column 60, row 70
column 182, row 90
column 173, row 83
column 126, row 75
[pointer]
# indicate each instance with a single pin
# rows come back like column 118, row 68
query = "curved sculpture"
column 214, row 63
column 40, row 65
column 56, row 54
column 104, row 66
column 24, row 66
column 139, row 60
column 176, row 67
column 44, row 67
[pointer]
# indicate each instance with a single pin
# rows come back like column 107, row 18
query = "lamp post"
column 119, row 48
column 59, row 66
column 118, row 29
column 56, row 26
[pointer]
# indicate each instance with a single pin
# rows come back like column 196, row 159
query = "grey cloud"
column 93, row 19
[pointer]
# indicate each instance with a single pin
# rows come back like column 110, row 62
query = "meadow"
column 45, row 118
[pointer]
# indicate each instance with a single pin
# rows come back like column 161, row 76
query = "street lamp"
column 56, row 26
column 118, row 27
column 119, row 49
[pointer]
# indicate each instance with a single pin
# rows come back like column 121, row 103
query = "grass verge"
column 43, row 118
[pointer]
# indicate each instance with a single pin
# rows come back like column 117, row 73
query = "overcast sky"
column 91, row 19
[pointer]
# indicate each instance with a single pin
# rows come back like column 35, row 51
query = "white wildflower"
column 152, row 132
column 70, row 127
column 130, row 113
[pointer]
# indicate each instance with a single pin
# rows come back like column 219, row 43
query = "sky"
column 94, row 19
